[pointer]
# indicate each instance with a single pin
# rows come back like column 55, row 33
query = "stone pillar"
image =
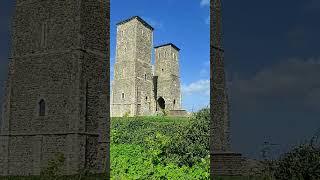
column 222, row 160
column 218, row 96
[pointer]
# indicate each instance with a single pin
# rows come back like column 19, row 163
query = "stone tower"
column 223, row 161
column 218, row 97
column 168, row 95
column 132, row 87
column 57, row 90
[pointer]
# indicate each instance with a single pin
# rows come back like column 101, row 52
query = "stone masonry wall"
column 222, row 161
column 123, row 89
column 227, row 164
column 143, row 69
column 218, row 97
column 60, row 54
column 132, row 85
column 94, row 35
column 167, row 70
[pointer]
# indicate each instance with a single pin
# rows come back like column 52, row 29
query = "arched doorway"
column 161, row 103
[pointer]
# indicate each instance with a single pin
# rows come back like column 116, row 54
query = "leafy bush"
column 303, row 162
column 191, row 143
column 54, row 167
column 160, row 147
column 126, row 114
column 135, row 162
column 165, row 112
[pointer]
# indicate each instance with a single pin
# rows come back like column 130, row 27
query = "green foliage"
column 303, row 162
column 135, row 162
column 134, row 130
column 54, row 167
column 160, row 147
column 126, row 114
column 165, row 112
column 191, row 143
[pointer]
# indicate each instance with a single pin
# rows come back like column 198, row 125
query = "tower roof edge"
column 139, row 19
column 168, row 44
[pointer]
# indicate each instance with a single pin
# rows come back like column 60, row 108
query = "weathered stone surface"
column 218, row 98
column 167, row 71
column 132, row 84
column 227, row 164
column 60, row 55
column 135, row 89
column 223, row 161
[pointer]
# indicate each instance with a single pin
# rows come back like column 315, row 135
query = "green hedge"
column 160, row 147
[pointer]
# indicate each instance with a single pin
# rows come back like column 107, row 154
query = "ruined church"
column 138, row 87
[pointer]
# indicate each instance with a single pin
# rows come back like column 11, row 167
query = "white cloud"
column 201, row 87
column 154, row 23
column 204, row 3
column 292, row 82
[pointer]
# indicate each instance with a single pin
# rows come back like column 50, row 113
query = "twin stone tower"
column 57, row 92
column 138, row 88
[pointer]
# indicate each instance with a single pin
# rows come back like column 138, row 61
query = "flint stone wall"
column 60, row 54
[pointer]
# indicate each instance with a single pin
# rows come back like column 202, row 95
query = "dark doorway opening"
column 162, row 103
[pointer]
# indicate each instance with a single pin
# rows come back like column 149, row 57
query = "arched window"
column 122, row 95
column 42, row 108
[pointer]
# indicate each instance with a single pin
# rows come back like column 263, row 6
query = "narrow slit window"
column 42, row 108
column 44, row 29
column 145, row 77
column 122, row 95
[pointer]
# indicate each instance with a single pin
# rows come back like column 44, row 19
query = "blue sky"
column 185, row 26
column 272, row 61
